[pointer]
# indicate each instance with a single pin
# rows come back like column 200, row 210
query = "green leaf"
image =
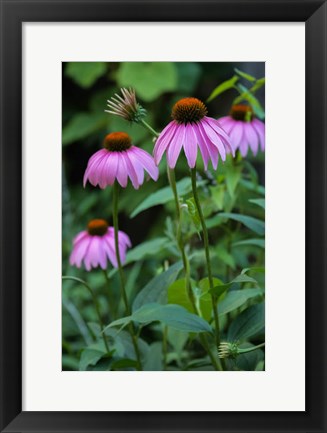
column 164, row 195
column 177, row 294
column 156, row 289
column 220, row 287
column 249, row 323
column 253, row 101
column 192, row 210
column 252, row 186
column 188, row 76
column 218, row 195
column 253, row 224
column 236, row 298
column 226, row 85
column 225, row 257
column 85, row 73
column 124, row 364
column 250, row 242
column 82, row 125
column 258, row 201
column 245, row 75
column 153, row 360
column 90, row 356
column 149, row 79
column 145, row 249
column 171, row 315
column 233, row 176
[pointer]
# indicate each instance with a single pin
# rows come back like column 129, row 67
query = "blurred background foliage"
column 232, row 197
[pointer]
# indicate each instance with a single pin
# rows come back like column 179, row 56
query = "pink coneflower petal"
column 118, row 161
column 147, row 162
column 251, row 137
column 190, row 145
column 212, row 150
column 260, row 128
column 164, row 140
column 190, row 129
column 122, row 172
column 95, row 246
column 236, row 134
column 203, row 148
column 244, row 129
column 215, row 139
column 174, row 150
column 139, row 170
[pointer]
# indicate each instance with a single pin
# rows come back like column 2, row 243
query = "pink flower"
column 244, row 129
column 190, row 129
column 119, row 160
column 97, row 244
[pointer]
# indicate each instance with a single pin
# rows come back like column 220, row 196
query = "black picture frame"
column 13, row 14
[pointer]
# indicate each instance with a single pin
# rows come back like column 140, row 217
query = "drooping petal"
column 147, row 161
column 112, row 167
column 164, row 140
column 109, row 247
column 80, row 236
column 139, row 170
column 203, row 147
column 236, row 134
column 190, row 145
column 251, row 137
column 131, row 171
column 122, row 171
column 214, row 138
column 260, row 128
column 92, row 254
column 93, row 161
column 226, row 123
column 212, row 150
column 92, row 170
column 124, row 239
column 79, row 252
column 175, row 146
column 243, row 146
column 218, row 129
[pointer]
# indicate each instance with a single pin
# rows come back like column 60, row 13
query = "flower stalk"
column 122, row 276
column 207, row 253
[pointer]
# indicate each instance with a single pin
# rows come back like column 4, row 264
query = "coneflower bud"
column 126, row 106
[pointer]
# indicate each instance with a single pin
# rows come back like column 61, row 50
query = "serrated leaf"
column 226, row 85
column 156, row 289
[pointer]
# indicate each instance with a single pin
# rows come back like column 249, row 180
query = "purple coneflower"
column 97, row 244
column 189, row 129
column 119, row 160
column 244, row 129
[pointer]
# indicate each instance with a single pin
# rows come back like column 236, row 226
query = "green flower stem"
column 110, row 296
column 250, row 349
column 207, row 253
column 96, row 305
column 180, row 241
column 149, row 128
column 122, row 276
column 186, row 263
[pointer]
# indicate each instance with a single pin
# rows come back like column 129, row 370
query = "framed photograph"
column 163, row 216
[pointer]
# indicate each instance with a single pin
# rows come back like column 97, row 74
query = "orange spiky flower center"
column 97, row 227
column 188, row 110
column 241, row 112
column 117, row 142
